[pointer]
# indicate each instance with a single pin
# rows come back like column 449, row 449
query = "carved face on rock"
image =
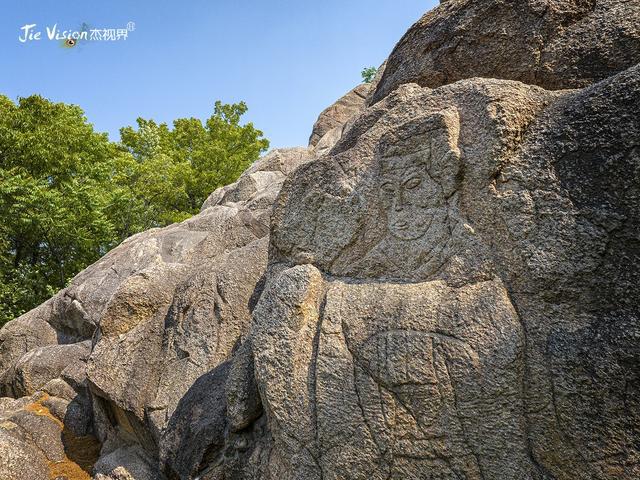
column 410, row 197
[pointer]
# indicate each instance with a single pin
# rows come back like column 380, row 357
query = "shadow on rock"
column 196, row 432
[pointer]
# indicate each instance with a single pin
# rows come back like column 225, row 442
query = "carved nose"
column 399, row 200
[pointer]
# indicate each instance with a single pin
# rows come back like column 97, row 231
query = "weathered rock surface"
column 448, row 290
column 196, row 432
column 39, row 427
column 465, row 301
column 20, row 336
column 20, row 461
column 126, row 463
column 161, row 310
column 41, row 365
column 170, row 324
column 339, row 113
column 554, row 44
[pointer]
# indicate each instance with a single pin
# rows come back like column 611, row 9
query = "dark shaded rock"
column 195, row 435
column 243, row 398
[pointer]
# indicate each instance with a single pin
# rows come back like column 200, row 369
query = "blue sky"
column 288, row 59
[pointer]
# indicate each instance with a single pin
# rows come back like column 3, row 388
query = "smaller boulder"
column 18, row 461
column 126, row 463
column 41, row 365
column 339, row 113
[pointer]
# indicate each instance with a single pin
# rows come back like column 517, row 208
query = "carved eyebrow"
column 411, row 172
column 387, row 185
column 411, row 178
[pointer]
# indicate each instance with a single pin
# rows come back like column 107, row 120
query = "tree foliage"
column 68, row 194
column 180, row 167
column 368, row 74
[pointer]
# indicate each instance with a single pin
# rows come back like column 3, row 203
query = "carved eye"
column 387, row 187
column 412, row 183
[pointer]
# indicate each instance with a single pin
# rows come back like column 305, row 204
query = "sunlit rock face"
column 441, row 300
column 553, row 44
column 444, row 285
column 339, row 113
column 119, row 355
column 405, row 379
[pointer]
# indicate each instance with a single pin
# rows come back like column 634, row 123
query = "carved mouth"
column 401, row 225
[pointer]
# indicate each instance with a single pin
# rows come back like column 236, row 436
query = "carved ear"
column 435, row 134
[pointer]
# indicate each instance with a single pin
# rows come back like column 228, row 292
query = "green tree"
column 180, row 167
column 368, row 74
column 54, row 177
column 68, row 194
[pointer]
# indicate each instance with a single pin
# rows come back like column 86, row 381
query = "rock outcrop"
column 554, row 44
column 117, row 353
column 333, row 118
column 453, row 290
column 443, row 285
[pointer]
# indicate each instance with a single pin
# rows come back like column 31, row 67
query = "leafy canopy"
column 180, row 167
column 368, row 74
column 68, row 195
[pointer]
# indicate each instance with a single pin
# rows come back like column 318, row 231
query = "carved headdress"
column 428, row 142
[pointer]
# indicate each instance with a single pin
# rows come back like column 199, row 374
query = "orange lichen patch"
column 81, row 453
column 43, row 411
column 68, row 470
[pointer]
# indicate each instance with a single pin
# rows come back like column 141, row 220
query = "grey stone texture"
column 453, row 291
column 336, row 115
column 554, row 44
column 444, row 285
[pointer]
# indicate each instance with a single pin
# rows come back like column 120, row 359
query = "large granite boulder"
column 448, row 290
column 182, row 315
column 452, row 293
column 112, row 356
column 551, row 43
